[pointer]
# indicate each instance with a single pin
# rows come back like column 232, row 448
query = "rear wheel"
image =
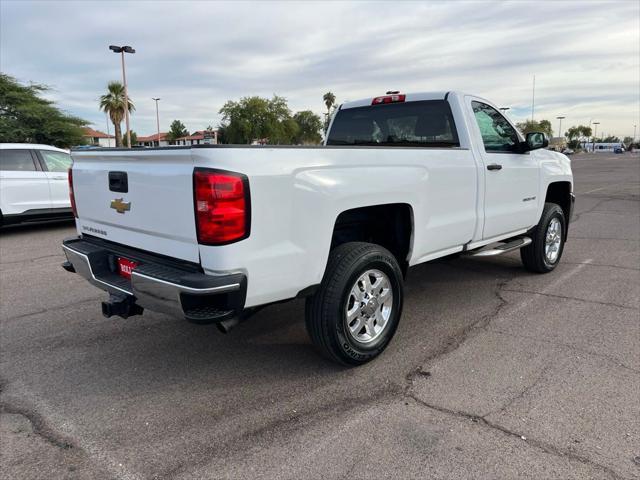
column 355, row 312
column 545, row 250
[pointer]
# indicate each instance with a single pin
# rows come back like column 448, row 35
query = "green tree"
column 611, row 139
column 545, row 126
column 222, row 135
column 572, row 133
column 256, row 118
column 529, row 126
column 627, row 141
column 577, row 134
column 114, row 103
column 177, row 130
column 134, row 137
column 309, row 128
column 25, row 117
column 329, row 101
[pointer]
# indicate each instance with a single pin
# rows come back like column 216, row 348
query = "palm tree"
column 329, row 100
column 113, row 103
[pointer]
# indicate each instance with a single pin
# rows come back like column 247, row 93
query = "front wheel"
column 548, row 237
column 355, row 312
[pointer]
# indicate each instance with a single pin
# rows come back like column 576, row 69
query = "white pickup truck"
column 211, row 233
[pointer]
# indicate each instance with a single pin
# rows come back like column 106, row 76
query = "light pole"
column 122, row 50
column 560, row 126
column 634, row 134
column 157, row 119
column 533, row 98
column 595, row 135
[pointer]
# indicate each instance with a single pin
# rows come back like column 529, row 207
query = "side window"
column 16, row 161
column 56, row 161
column 497, row 133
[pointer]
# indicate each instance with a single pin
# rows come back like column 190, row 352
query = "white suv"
column 33, row 182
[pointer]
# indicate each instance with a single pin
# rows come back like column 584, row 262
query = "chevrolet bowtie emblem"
column 119, row 206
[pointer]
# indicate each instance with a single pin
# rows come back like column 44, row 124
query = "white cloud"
column 197, row 55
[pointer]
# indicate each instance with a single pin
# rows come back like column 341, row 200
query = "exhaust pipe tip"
column 68, row 266
column 225, row 326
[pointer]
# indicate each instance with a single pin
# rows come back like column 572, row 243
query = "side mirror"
column 536, row 140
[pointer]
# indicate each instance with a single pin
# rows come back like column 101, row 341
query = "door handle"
column 494, row 166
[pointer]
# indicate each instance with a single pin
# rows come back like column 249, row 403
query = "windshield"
column 412, row 124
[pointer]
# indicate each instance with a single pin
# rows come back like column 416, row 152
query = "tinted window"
column 56, row 161
column 412, row 124
column 497, row 133
column 16, row 160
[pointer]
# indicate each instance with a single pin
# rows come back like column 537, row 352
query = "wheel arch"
column 561, row 193
column 390, row 225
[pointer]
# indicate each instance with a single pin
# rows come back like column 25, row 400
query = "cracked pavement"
column 494, row 372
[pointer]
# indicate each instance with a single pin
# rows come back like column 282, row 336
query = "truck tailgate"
column 153, row 212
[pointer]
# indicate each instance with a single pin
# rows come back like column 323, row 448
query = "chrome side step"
column 504, row 248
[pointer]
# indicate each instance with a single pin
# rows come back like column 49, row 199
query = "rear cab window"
column 427, row 123
column 16, row 161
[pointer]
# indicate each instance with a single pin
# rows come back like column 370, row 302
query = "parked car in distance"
column 567, row 151
column 212, row 233
column 33, row 183
column 618, row 150
column 85, row 147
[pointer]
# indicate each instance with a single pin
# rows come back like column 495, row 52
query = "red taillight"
column 221, row 206
column 71, row 195
column 388, row 99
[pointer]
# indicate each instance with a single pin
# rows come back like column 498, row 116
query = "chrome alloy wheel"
column 369, row 305
column 553, row 240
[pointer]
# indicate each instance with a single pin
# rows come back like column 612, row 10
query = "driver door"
column 511, row 178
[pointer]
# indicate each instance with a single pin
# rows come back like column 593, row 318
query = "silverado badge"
column 119, row 206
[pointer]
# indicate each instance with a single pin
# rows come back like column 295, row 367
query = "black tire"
column 533, row 256
column 325, row 310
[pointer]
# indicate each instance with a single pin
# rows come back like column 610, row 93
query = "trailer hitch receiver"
column 122, row 306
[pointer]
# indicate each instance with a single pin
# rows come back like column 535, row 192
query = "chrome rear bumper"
column 157, row 284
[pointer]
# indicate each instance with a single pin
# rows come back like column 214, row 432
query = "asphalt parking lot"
column 494, row 372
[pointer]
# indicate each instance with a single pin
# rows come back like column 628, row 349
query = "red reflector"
column 388, row 99
column 221, row 206
column 125, row 266
column 72, row 197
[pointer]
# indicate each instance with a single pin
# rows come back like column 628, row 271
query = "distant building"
column 154, row 141
column 602, row 147
column 201, row 137
column 98, row 138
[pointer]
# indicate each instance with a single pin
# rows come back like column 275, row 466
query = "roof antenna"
column 392, row 92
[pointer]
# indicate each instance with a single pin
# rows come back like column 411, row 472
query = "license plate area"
column 125, row 266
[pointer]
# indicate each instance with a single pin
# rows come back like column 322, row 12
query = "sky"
column 196, row 55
